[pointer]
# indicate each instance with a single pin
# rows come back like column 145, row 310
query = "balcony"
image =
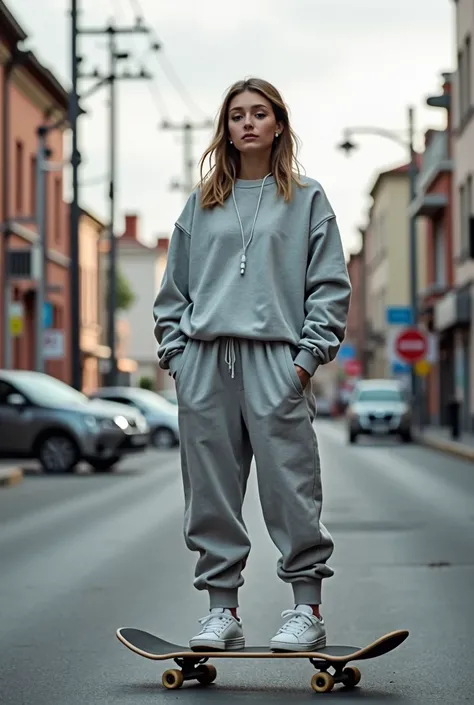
column 436, row 161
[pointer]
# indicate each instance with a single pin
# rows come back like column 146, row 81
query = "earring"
column 230, row 141
column 277, row 134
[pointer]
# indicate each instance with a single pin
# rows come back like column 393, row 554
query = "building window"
column 57, row 195
column 464, row 79
column 467, row 74
column 19, row 183
column 33, row 165
column 465, row 207
column 439, row 255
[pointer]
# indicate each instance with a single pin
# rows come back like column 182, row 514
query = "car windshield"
column 150, row 400
column 381, row 395
column 48, row 391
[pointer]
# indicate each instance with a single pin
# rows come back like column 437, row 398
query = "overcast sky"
column 338, row 63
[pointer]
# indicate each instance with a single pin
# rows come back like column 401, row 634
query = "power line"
column 168, row 68
column 110, row 78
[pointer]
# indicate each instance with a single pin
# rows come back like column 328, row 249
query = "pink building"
column 34, row 97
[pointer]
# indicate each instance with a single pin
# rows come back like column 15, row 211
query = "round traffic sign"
column 411, row 345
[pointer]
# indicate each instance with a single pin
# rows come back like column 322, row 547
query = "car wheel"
column 407, row 437
column 104, row 464
column 352, row 437
column 163, row 438
column 58, row 454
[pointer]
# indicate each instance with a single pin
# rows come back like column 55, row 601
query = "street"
column 85, row 554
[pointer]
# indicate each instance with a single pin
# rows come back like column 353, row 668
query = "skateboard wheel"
column 208, row 675
column 322, row 682
column 352, row 676
column 172, row 679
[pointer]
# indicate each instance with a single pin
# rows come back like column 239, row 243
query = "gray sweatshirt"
column 295, row 288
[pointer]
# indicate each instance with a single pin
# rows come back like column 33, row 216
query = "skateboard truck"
column 323, row 681
column 191, row 669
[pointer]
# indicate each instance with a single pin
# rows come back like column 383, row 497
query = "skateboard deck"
column 192, row 663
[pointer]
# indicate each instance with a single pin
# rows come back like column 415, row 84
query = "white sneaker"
column 220, row 630
column 302, row 632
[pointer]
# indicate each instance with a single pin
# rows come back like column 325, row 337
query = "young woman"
column 254, row 298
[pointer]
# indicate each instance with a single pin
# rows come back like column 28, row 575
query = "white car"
column 160, row 414
column 379, row 407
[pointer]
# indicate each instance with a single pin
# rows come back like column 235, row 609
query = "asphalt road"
column 83, row 555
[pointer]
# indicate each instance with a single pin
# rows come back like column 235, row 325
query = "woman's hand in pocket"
column 303, row 375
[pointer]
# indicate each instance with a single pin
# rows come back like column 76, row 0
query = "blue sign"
column 400, row 368
column 398, row 315
column 346, row 352
column 47, row 315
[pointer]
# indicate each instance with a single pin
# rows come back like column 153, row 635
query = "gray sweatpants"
column 238, row 399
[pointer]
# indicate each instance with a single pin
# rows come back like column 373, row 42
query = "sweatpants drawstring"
column 230, row 355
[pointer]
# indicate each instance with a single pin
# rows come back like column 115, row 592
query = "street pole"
column 187, row 128
column 188, row 157
column 41, row 157
column 413, row 258
column 74, row 211
column 114, row 56
column 112, row 288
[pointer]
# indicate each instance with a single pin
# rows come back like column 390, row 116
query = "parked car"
column 379, row 407
column 161, row 415
column 169, row 395
column 44, row 418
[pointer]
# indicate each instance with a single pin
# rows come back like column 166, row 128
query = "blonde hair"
column 224, row 158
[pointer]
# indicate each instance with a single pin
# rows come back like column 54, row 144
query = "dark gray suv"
column 42, row 417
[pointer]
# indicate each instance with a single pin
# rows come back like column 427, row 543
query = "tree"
column 124, row 294
column 147, row 382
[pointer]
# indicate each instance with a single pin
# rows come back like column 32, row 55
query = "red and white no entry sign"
column 411, row 345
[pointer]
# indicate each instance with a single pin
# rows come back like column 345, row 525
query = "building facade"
column 355, row 333
column 434, row 202
column 386, row 262
column 454, row 311
column 30, row 96
column 91, row 232
column 143, row 267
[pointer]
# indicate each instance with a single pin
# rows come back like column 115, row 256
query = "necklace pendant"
column 243, row 264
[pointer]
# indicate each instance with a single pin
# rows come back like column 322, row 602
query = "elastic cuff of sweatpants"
column 307, row 593
column 223, row 598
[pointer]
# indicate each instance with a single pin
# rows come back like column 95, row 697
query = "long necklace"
column 243, row 259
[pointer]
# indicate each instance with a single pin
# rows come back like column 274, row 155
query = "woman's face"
column 252, row 123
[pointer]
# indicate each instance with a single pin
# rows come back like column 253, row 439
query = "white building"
column 142, row 266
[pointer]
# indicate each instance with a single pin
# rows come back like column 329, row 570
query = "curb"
column 9, row 477
column 457, row 449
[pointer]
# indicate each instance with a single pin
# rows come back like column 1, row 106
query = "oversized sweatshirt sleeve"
column 172, row 300
column 328, row 292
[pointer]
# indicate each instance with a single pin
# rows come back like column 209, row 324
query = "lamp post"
column 348, row 145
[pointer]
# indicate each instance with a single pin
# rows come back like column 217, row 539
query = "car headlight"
column 121, row 422
column 90, row 422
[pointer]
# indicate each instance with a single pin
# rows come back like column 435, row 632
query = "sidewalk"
column 10, row 475
column 440, row 439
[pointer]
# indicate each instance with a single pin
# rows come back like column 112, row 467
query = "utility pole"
column 74, row 211
column 41, row 157
column 188, row 129
column 114, row 56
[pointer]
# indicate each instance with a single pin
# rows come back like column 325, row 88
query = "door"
column 14, row 422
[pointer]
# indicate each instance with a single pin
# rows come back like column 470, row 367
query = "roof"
column 93, row 217
column 401, row 170
column 12, row 34
column 10, row 29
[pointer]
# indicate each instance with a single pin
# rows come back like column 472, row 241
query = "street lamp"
column 347, row 145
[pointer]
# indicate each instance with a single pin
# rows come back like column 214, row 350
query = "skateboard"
column 193, row 664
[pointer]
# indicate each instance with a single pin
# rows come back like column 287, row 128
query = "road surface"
column 83, row 555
